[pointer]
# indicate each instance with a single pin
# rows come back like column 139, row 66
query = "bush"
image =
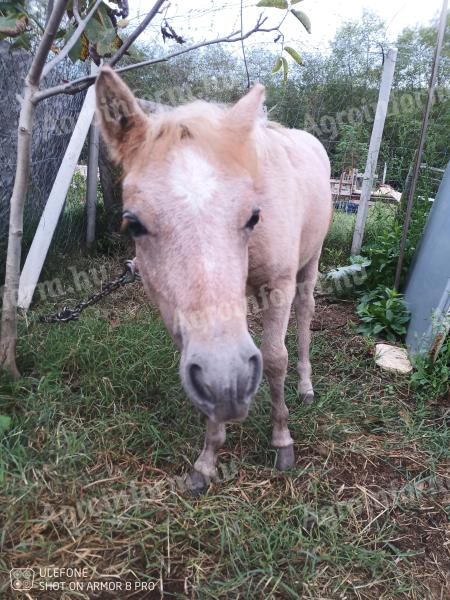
column 383, row 313
column 383, row 254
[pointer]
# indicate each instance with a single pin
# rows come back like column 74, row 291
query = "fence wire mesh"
column 54, row 122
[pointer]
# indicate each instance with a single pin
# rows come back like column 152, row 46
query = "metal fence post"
column 92, row 174
column 374, row 148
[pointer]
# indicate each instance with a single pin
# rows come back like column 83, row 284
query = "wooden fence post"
column 49, row 218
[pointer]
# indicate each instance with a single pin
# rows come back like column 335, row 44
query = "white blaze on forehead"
column 192, row 178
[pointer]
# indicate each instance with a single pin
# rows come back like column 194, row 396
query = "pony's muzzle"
column 222, row 381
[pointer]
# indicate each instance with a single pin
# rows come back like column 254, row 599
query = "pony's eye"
column 253, row 219
column 132, row 224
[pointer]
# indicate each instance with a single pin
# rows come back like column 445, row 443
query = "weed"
column 430, row 376
column 383, row 313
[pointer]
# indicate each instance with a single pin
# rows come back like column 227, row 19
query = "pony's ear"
column 243, row 115
column 123, row 124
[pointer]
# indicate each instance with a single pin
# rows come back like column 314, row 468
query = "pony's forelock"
column 205, row 125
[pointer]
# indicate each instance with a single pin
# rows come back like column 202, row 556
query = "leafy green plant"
column 281, row 61
column 383, row 313
column 342, row 281
column 383, row 254
column 22, row 22
column 432, row 376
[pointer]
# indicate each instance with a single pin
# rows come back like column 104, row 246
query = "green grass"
column 336, row 250
column 101, row 429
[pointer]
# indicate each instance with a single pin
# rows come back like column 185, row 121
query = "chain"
column 129, row 275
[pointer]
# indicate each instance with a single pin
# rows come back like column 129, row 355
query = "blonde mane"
column 206, row 124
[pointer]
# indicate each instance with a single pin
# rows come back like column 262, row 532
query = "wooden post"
column 92, row 172
column 49, row 218
column 374, row 149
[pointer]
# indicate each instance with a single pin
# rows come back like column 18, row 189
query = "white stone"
column 392, row 358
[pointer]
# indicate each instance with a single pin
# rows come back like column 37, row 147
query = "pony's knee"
column 305, row 306
column 275, row 360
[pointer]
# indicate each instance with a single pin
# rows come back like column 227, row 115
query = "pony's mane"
column 205, row 124
column 200, row 120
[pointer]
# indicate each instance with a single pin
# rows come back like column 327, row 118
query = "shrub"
column 383, row 254
column 383, row 313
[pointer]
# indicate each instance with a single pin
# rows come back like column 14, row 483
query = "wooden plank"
column 49, row 219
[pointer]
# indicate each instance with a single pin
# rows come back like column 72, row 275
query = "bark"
column 110, row 180
column 12, row 271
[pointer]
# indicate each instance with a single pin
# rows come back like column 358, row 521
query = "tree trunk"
column 12, row 271
column 91, row 185
column 110, row 179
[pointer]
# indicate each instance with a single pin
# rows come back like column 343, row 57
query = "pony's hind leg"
column 275, row 358
column 304, row 308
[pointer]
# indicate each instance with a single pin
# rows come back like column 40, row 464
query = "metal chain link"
column 129, row 275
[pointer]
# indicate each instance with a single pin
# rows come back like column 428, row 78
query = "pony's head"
column 190, row 202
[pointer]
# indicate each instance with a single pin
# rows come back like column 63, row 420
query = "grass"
column 101, row 430
column 336, row 250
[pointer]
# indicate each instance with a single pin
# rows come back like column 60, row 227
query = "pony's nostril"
column 196, row 377
column 255, row 367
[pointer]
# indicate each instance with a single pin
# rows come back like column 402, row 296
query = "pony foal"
column 220, row 201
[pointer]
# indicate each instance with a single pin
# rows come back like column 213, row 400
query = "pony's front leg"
column 275, row 357
column 205, row 465
column 304, row 307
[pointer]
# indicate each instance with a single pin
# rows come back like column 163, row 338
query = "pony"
column 222, row 202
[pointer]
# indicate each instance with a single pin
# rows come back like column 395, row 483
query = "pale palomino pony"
column 220, row 200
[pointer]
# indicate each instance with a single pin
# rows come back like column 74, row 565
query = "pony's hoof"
column 307, row 398
column 196, row 483
column 285, row 458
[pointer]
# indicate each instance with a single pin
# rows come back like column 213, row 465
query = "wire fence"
column 54, row 122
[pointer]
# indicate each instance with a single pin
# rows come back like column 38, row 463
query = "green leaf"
column 295, row 55
column 273, row 4
column 277, row 66
column 303, row 18
column 285, row 69
column 15, row 6
column 5, row 424
column 75, row 53
column 94, row 30
column 60, row 34
column 295, row 2
column 22, row 41
column 105, row 44
column 8, row 22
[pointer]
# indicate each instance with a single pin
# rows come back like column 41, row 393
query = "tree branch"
column 73, row 87
column 35, row 72
column 48, row 11
column 76, row 11
column 136, row 33
column 72, row 41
